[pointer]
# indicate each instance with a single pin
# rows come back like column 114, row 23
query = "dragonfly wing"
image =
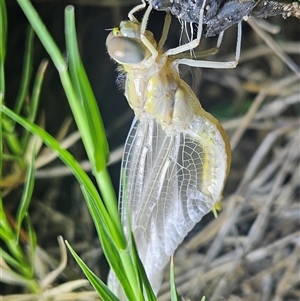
column 168, row 183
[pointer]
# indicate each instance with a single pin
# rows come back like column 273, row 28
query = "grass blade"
column 34, row 103
column 32, row 243
column 26, row 195
column 98, row 150
column 85, row 94
column 26, row 72
column 3, row 36
column 8, row 236
column 115, row 256
column 3, row 32
column 103, row 291
column 174, row 294
column 11, row 261
column 144, row 282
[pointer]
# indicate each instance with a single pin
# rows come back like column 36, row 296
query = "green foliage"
column 20, row 263
column 121, row 256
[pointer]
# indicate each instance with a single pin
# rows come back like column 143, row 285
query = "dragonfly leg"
column 137, row 8
column 165, row 31
column 152, row 50
column 144, row 39
column 214, row 64
column 194, row 43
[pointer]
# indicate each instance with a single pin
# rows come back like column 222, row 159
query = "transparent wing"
column 168, row 184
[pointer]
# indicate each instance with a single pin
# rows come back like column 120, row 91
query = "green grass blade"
column 10, row 260
column 33, row 107
column 26, row 195
column 8, row 236
column 26, row 72
column 32, row 243
column 115, row 256
column 109, row 197
column 103, row 291
column 11, row 138
column 144, row 282
column 3, row 33
column 43, row 35
column 98, row 152
column 85, row 94
column 174, row 294
column 3, row 36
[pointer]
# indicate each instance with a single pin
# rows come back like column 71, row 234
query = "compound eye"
column 125, row 50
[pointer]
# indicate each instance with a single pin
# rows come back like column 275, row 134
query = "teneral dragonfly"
column 177, row 155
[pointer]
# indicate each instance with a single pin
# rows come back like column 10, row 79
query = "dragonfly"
column 177, row 156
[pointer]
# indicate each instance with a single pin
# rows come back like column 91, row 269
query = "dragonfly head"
column 124, row 43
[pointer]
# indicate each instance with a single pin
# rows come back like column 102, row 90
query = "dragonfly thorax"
column 159, row 93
